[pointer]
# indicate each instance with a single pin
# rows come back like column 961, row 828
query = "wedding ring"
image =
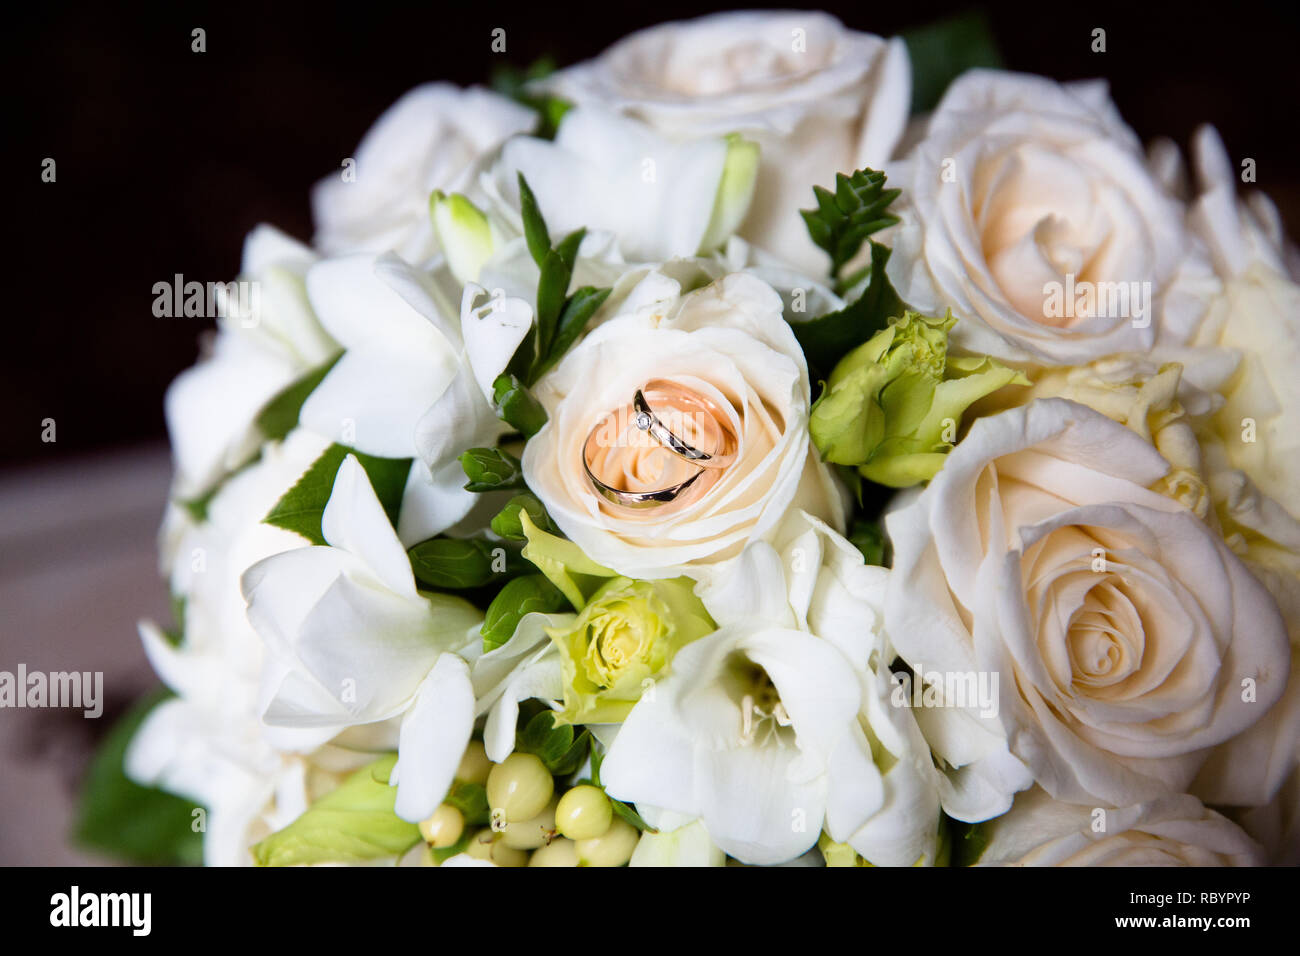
column 692, row 408
column 672, row 420
column 632, row 499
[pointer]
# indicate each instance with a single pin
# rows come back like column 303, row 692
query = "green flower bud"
column 463, row 232
column 892, row 406
column 735, row 192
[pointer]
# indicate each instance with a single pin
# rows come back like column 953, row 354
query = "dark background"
column 166, row 158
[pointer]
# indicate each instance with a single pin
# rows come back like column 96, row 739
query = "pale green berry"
column 612, row 848
column 474, row 765
column 559, row 852
column 584, row 812
column 520, row 786
column 485, row 846
column 530, row 834
column 444, row 828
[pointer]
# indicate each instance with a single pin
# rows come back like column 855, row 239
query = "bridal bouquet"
column 713, row 453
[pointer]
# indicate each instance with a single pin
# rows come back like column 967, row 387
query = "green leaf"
column 351, row 824
column 454, row 563
column 844, row 219
column 523, row 595
column 513, row 82
column 828, row 338
column 198, row 506
column 491, row 469
column 443, row 854
column 472, row 802
column 628, row 813
column 567, row 250
column 279, row 416
column 544, row 738
column 516, row 405
column 579, row 308
column 509, row 524
column 867, row 537
column 301, row 507
column 118, row 817
column 535, row 232
column 969, row 841
column 551, row 290
column 942, row 51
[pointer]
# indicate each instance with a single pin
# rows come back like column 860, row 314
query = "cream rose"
column 1171, row 831
column 1029, row 211
column 437, row 136
column 1126, row 636
column 727, row 341
column 818, row 98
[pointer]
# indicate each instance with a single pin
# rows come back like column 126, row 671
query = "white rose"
column 727, row 340
column 1170, row 831
column 818, row 98
column 257, row 351
column 435, row 137
column 1126, row 637
column 1256, row 315
column 1029, row 211
column 1277, row 824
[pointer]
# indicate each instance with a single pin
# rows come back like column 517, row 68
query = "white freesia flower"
column 435, row 137
column 740, row 717
column 207, row 743
column 1127, row 637
column 818, row 99
column 607, row 172
column 257, row 351
column 728, row 341
column 404, row 388
column 1169, row 831
column 742, row 735
column 1029, row 211
column 351, row 641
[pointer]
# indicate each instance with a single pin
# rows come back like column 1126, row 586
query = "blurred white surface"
column 78, row 569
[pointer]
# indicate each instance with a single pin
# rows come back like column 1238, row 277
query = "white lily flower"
column 351, row 640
